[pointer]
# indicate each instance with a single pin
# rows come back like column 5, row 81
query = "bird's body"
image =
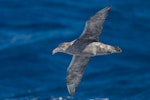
column 90, row 49
column 84, row 47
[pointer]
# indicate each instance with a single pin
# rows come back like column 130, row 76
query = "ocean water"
column 31, row 29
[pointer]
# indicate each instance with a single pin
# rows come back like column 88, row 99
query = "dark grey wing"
column 94, row 25
column 75, row 72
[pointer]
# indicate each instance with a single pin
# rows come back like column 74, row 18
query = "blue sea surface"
column 31, row 29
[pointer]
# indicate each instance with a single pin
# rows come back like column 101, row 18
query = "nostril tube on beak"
column 55, row 51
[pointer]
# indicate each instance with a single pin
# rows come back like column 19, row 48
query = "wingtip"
column 71, row 89
column 108, row 7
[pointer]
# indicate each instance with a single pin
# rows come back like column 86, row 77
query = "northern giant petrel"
column 84, row 47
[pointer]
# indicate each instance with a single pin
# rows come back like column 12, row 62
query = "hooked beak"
column 55, row 51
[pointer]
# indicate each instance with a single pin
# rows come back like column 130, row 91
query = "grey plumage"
column 75, row 71
column 84, row 47
column 94, row 25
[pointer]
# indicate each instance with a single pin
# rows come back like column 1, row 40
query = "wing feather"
column 94, row 25
column 75, row 72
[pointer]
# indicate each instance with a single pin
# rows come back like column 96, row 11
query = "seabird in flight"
column 84, row 47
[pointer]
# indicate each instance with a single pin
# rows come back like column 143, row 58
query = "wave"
column 11, row 39
column 19, row 97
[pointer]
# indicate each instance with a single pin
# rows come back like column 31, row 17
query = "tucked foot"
column 117, row 50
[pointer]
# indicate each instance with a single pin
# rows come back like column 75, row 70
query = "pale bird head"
column 61, row 48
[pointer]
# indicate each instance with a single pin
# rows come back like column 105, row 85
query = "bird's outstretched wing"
column 94, row 25
column 75, row 72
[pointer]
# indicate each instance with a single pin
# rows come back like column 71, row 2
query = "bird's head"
column 61, row 48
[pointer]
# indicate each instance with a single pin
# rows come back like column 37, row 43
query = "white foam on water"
column 100, row 99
